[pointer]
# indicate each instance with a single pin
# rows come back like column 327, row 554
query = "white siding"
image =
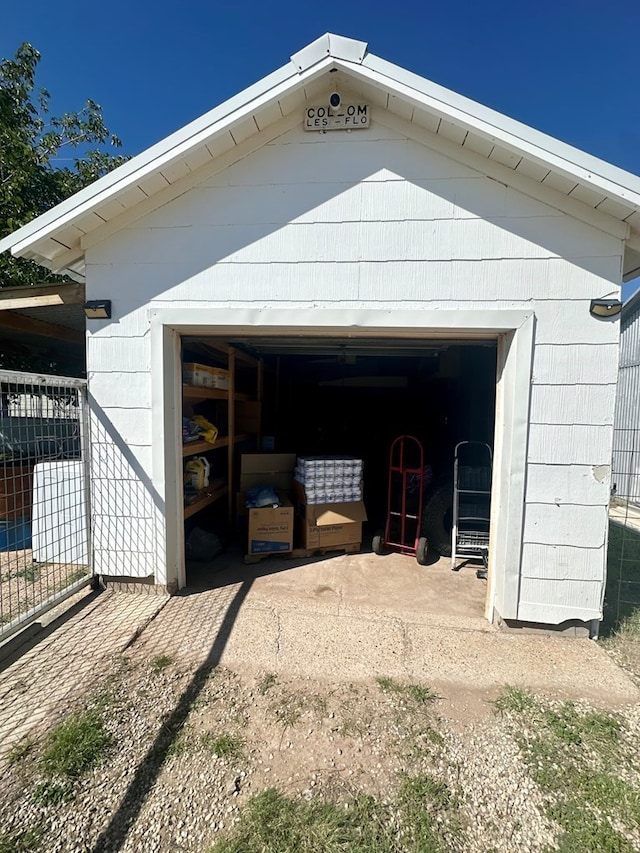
column 374, row 219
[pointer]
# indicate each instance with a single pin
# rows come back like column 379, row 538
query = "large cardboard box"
column 271, row 528
column 329, row 525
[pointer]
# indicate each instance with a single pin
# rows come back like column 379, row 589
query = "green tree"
column 31, row 140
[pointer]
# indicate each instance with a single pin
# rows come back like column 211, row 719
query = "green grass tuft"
column 223, row 745
column 21, row 840
column 424, row 819
column 514, row 699
column 52, row 793
column 75, row 746
column 273, row 823
column 266, row 682
column 418, row 692
column 20, row 750
column 160, row 662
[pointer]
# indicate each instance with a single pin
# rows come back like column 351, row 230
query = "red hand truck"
column 404, row 502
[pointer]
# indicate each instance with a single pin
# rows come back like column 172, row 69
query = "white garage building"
column 406, row 225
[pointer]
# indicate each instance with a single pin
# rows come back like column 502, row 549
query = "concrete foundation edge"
column 571, row 628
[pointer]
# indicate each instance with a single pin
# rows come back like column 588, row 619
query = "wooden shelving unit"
column 192, row 394
column 194, row 448
column 214, row 492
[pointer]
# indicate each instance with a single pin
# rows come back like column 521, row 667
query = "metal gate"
column 45, row 544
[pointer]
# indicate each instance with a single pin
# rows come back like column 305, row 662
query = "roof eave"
column 327, row 52
column 509, row 132
column 20, row 239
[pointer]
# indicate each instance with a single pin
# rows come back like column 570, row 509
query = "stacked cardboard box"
column 269, row 529
column 205, row 376
column 329, row 501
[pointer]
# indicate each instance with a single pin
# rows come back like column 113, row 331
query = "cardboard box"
column 271, row 528
column 267, row 469
column 205, row 376
column 329, row 525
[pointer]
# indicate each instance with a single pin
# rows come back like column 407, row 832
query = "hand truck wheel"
column 421, row 551
column 377, row 544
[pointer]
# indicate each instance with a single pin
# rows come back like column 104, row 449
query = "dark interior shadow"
column 113, row 837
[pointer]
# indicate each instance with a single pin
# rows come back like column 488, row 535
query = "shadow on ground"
column 112, row 838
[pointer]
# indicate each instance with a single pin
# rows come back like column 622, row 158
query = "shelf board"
column 194, row 447
column 215, row 491
column 196, row 392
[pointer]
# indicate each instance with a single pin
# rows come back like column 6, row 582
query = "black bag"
column 203, row 546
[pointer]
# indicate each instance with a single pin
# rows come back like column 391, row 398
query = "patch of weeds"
column 429, row 814
column 287, row 709
column 574, row 757
column 417, row 692
column 420, row 694
column 160, row 662
column 424, row 819
column 21, row 840
column 423, row 739
column 514, row 699
column 179, row 744
column 223, row 745
column 354, row 727
column 75, row 746
column 584, row 831
column 30, row 573
column 20, row 750
column 52, row 793
column 266, row 682
column 199, row 703
column 319, row 704
column 274, row 823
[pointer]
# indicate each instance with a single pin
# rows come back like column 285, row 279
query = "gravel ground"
column 163, row 787
column 25, row 584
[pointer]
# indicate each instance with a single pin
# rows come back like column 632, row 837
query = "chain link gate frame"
column 45, row 529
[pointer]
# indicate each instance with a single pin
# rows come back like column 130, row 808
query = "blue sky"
column 566, row 67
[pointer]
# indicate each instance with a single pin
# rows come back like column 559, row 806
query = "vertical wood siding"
column 376, row 220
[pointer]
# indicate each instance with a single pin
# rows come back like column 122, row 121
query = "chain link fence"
column 44, row 494
column 622, row 596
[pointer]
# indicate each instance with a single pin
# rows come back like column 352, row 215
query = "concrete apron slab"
column 357, row 617
column 42, row 682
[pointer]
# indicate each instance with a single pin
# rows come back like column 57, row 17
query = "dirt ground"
column 291, row 679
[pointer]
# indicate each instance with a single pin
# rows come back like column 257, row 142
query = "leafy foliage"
column 31, row 141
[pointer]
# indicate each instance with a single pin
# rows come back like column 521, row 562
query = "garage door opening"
column 333, row 397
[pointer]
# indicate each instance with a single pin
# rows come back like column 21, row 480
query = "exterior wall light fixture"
column 605, row 307
column 98, row 309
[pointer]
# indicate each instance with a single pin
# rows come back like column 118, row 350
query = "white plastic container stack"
column 330, row 479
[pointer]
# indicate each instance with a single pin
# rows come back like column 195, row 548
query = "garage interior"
column 330, row 396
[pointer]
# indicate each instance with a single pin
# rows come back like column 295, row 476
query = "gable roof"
column 583, row 185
